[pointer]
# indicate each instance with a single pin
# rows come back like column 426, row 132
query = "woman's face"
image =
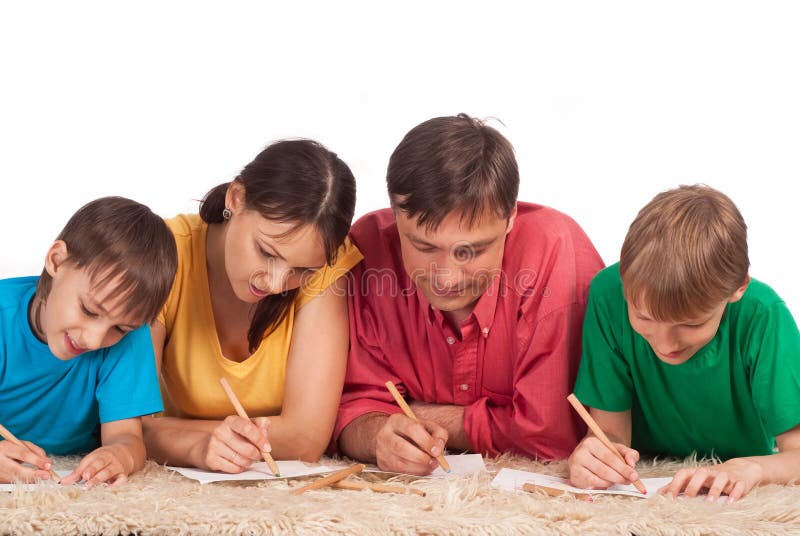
column 264, row 257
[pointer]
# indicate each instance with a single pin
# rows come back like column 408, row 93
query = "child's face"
column 677, row 342
column 78, row 317
column 260, row 261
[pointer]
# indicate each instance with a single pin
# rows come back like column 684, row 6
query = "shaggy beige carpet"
column 159, row 501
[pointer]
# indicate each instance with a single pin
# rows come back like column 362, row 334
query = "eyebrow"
column 477, row 245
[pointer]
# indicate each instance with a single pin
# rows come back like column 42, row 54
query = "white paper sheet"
column 460, row 465
column 259, row 471
column 41, row 483
column 513, row 479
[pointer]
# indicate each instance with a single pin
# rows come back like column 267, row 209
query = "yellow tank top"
column 192, row 362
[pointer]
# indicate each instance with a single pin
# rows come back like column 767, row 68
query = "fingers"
column 33, row 455
column 592, row 465
column 406, row 446
column 13, row 471
column 244, row 437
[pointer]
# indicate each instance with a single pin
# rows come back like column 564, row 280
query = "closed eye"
column 87, row 312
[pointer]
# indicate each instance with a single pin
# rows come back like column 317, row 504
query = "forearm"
column 177, row 441
column 133, row 453
column 299, row 437
column 357, row 439
column 780, row 468
column 451, row 418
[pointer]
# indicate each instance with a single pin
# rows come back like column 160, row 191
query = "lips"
column 257, row 292
column 72, row 347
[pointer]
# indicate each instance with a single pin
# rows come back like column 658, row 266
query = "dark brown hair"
column 685, row 252
column 453, row 163
column 291, row 181
column 115, row 237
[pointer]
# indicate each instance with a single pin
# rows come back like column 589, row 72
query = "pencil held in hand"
column 8, row 436
column 410, row 414
column 273, row 467
column 598, row 432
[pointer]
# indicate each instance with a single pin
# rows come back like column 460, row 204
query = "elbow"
column 305, row 448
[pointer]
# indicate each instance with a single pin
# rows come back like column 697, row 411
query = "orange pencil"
column 379, row 488
column 243, row 414
column 410, row 414
column 330, row 479
column 8, row 436
column 597, row 431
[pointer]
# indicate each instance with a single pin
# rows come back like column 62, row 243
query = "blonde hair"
column 685, row 252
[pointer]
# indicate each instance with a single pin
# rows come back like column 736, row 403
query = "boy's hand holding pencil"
column 13, row 451
column 597, row 463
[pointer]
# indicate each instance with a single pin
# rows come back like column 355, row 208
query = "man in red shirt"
column 470, row 302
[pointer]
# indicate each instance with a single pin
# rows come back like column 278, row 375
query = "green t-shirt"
column 730, row 399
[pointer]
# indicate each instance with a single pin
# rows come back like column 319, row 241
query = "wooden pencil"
column 410, row 414
column 597, row 431
column 555, row 492
column 8, row 436
column 379, row 488
column 273, row 467
column 330, row 479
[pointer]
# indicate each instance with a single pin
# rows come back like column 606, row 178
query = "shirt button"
column 485, row 331
column 463, row 386
column 451, row 340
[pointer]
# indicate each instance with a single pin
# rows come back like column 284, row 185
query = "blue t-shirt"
column 57, row 404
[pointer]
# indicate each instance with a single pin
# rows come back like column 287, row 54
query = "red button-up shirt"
column 513, row 361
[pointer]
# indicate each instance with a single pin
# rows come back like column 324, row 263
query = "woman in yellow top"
column 259, row 299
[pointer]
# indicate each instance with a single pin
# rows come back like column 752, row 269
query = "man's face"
column 453, row 265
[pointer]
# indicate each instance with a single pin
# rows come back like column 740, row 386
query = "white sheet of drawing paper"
column 258, row 471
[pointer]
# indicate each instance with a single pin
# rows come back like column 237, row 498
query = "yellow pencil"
column 597, row 431
column 8, row 436
column 410, row 414
column 243, row 414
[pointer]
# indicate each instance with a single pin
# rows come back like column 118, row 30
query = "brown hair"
column 115, row 237
column 453, row 163
column 297, row 181
column 685, row 252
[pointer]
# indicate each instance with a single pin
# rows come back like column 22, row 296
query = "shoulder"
column 185, row 226
column 759, row 294
column 547, row 225
column 14, row 290
column 375, row 235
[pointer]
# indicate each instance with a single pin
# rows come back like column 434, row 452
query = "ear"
column 740, row 291
column 511, row 219
column 234, row 197
column 56, row 256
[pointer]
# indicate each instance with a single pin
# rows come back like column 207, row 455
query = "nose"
column 92, row 337
column 665, row 340
column 446, row 274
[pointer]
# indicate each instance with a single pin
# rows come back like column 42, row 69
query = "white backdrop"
column 607, row 103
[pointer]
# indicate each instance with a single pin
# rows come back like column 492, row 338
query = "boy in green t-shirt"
column 683, row 352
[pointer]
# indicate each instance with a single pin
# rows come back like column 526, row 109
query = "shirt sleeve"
column 537, row 421
column 127, row 382
column 604, row 377
column 773, row 351
column 368, row 369
column 347, row 257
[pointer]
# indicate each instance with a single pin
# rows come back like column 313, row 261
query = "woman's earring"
column 226, row 214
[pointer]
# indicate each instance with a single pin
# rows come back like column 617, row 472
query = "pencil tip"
column 277, row 474
column 449, row 471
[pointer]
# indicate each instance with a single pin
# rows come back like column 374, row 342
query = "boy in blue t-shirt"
column 75, row 349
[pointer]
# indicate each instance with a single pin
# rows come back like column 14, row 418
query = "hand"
column 111, row 464
column 593, row 466
column 235, row 444
column 735, row 478
column 403, row 445
column 11, row 456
